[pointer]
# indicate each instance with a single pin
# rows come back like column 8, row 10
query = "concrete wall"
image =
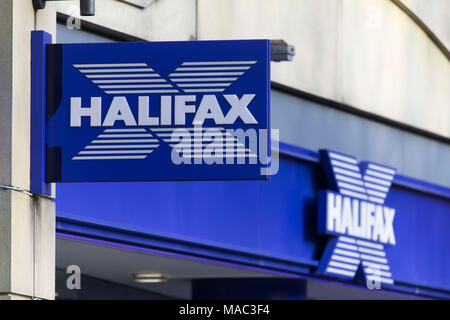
column 153, row 20
column 368, row 54
column 27, row 224
column 435, row 14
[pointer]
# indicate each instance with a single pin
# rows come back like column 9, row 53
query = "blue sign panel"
column 281, row 225
column 356, row 216
column 195, row 110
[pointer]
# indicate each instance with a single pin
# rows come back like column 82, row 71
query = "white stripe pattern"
column 343, row 262
column 373, row 184
column 215, row 63
column 193, row 142
column 109, row 65
column 349, row 253
column 108, row 157
column 127, row 78
column 208, row 76
column 202, row 79
column 347, row 175
column 378, row 180
column 135, row 144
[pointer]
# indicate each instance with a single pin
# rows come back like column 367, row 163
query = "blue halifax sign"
column 194, row 110
column 357, row 219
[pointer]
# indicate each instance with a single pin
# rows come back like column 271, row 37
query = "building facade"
column 370, row 81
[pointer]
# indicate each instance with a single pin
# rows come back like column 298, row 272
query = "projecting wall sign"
column 189, row 110
column 355, row 216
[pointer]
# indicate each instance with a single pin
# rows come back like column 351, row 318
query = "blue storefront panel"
column 264, row 223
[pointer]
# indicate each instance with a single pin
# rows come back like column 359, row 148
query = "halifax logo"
column 178, row 98
column 356, row 217
column 158, row 111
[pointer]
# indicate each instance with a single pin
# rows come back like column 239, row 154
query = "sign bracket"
column 39, row 41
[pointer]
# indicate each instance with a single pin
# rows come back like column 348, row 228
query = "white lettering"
column 361, row 219
column 181, row 108
column 388, row 235
column 379, row 224
column 334, row 212
column 346, row 223
column 209, row 109
column 239, row 109
column 119, row 111
column 94, row 112
column 144, row 113
column 166, row 110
